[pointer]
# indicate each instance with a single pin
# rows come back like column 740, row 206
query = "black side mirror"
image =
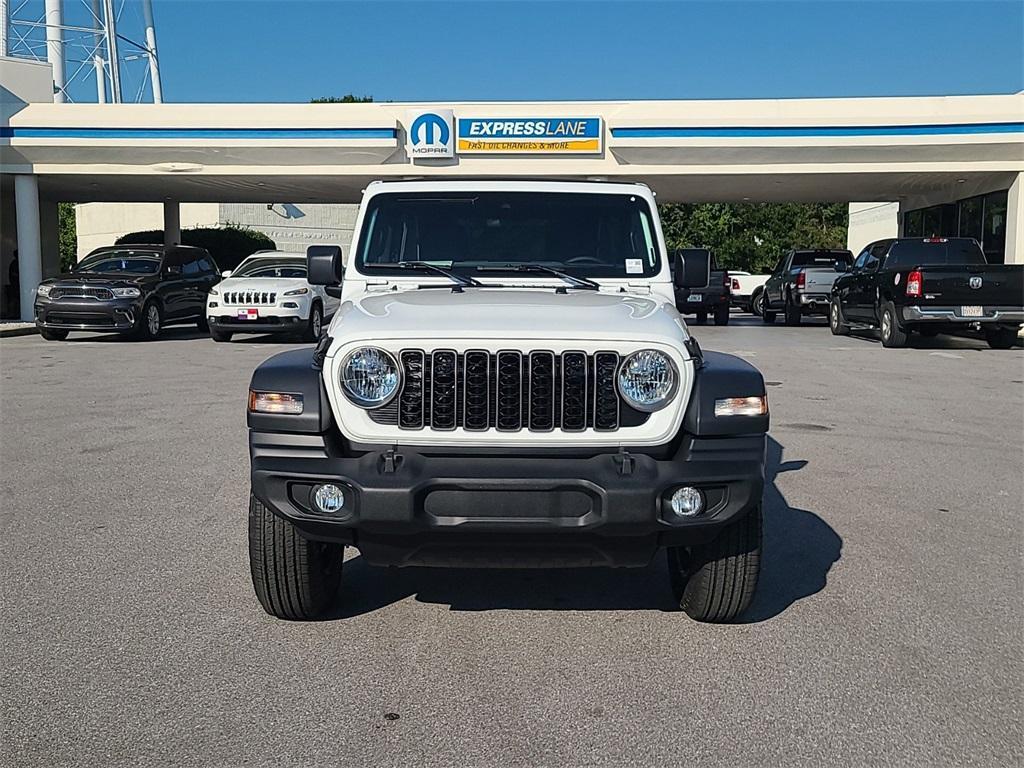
column 324, row 265
column 692, row 268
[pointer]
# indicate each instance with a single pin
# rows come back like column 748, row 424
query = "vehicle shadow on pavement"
column 799, row 547
column 799, row 550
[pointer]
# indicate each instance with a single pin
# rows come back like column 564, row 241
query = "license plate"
column 695, row 297
column 972, row 311
column 248, row 314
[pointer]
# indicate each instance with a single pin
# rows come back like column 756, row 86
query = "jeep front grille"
column 249, row 298
column 539, row 391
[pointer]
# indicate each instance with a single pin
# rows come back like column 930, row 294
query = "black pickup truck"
column 930, row 286
column 714, row 299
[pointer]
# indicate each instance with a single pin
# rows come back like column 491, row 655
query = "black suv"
column 128, row 289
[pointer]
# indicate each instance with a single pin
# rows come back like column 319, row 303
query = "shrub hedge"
column 228, row 245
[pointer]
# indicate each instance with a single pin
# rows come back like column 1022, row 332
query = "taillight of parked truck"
column 801, row 279
column 915, row 284
column 735, row 284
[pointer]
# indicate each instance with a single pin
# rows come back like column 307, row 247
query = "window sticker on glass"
column 634, row 266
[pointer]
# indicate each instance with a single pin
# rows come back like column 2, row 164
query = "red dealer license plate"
column 248, row 314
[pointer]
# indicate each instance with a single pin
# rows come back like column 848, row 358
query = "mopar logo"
column 426, row 126
column 975, row 282
column 430, row 134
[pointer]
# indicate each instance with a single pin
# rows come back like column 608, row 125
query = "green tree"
column 348, row 98
column 752, row 236
column 68, row 236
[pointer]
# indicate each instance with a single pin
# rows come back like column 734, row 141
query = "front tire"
column 835, row 319
column 722, row 315
column 315, row 324
column 757, row 303
column 700, row 318
column 151, row 322
column 893, row 336
column 220, row 335
column 53, row 334
column 294, row 578
column 1001, row 338
column 716, row 581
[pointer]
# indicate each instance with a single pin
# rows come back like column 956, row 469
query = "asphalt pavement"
column 887, row 628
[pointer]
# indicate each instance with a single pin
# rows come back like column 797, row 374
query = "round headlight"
column 370, row 377
column 647, row 380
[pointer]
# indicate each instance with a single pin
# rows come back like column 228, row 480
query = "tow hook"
column 390, row 461
column 626, row 462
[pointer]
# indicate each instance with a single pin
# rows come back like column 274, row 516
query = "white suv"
column 268, row 293
column 507, row 383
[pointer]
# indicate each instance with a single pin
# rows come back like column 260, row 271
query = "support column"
column 1015, row 222
column 172, row 223
column 55, row 46
column 49, row 237
column 30, row 262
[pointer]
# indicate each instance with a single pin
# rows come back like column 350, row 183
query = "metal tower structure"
column 110, row 42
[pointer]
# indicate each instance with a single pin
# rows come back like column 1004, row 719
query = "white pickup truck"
column 506, row 383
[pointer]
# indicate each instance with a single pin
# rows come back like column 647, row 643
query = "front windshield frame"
column 643, row 236
column 124, row 255
column 251, row 265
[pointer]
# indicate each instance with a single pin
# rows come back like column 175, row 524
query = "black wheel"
column 1001, row 338
column 792, row 312
column 53, row 334
column 716, row 581
column 835, row 319
column 220, row 335
column 722, row 316
column 700, row 318
column 150, row 322
column 315, row 323
column 757, row 303
column 892, row 334
column 294, row 578
column 202, row 324
column 767, row 315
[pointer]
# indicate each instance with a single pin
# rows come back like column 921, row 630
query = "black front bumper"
column 117, row 315
column 265, row 324
column 508, row 508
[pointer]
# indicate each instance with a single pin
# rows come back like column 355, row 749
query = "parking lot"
column 887, row 628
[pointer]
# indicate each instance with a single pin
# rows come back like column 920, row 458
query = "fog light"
column 687, row 502
column 328, row 498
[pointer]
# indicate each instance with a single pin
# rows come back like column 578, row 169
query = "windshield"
column 583, row 234
column 138, row 262
column 271, row 267
column 913, row 253
column 821, row 258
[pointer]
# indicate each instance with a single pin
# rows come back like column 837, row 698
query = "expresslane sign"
column 436, row 134
column 529, row 135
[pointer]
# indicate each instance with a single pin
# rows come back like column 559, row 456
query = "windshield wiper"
column 577, row 282
column 460, row 281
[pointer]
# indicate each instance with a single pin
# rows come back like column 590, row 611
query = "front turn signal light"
column 275, row 402
column 742, row 406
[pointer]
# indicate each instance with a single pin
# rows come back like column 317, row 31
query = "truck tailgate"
column 982, row 284
column 819, row 279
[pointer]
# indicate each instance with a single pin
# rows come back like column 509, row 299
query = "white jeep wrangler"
column 506, row 383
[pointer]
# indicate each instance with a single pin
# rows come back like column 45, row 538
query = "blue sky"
column 291, row 50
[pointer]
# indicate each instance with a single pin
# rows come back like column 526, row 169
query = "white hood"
column 508, row 313
column 261, row 284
